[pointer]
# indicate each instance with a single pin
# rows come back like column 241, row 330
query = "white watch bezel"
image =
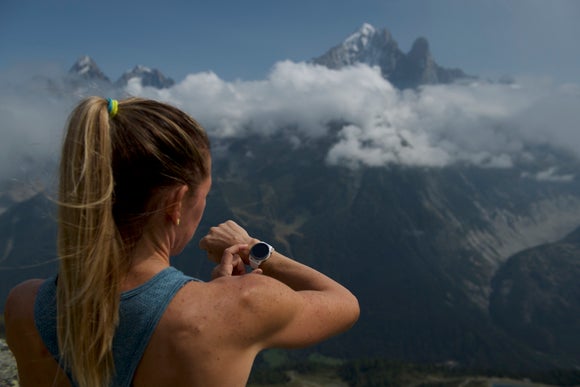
column 254, row 262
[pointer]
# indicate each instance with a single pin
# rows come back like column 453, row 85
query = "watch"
column 259, row 253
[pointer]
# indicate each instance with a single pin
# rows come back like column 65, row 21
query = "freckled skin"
column 211, row 332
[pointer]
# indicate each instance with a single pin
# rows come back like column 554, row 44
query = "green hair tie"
column 112, row 107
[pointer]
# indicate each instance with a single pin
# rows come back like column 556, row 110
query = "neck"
column 149, row 257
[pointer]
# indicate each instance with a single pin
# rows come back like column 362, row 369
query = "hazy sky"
column 244, row 39
column 240, row 67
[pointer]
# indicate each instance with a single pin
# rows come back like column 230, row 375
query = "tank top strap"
column 139, row 313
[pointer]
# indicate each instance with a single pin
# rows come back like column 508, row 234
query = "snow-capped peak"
column 367, row 29
column 85, row 61
column 85, row 67
column 360, row 38
column 139, row 69
column 147, row 76
column 378, row 48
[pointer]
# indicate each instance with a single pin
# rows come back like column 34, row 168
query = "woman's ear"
column 174, row 203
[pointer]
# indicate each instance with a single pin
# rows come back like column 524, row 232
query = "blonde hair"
column 111, row 168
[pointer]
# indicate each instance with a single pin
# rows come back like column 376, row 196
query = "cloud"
column 549, row 175
column 294, row 95
column 483, row 124
column 373, row 124
column 31, row 120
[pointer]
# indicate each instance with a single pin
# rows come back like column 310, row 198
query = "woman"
column 134, row 178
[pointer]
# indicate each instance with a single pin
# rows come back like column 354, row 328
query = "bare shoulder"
column 269, row 313
column 252, row 292
column 20, row 300
column 36, row 367
column 207, row 328
column 258, row 304
column 19, row 310
column 233, row 295
column 240, row 290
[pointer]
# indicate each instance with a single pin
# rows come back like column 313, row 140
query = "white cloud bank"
column 483, row 124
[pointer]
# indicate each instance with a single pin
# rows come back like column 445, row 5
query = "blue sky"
column 239, row 68
column 244, row 39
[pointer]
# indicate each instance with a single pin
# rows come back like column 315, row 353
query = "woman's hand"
column 221, row 237
column 231, row 263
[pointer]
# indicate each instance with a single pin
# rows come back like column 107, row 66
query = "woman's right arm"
column 321, row 307
column 294, row 304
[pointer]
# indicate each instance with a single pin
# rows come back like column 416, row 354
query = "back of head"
column 114, row 165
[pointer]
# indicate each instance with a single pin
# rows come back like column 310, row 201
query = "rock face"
column 85, row 68
column 367, row 45
column 378, row 48
column 8, row 371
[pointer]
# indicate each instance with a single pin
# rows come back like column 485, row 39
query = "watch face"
column 260, row 250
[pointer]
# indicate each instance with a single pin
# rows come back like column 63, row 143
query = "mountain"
column 535, row 297
column 86, row 69
column 28, row 242
column 367, row 45
column 148, row 77
column 86, row 74
column 420, row 247
column 378, row 48
column 429, row 252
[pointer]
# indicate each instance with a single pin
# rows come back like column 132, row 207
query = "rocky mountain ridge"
column 367, row 45
column 378, row 48
column 85, row 69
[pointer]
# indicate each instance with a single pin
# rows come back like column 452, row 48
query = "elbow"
column 350, row 310
column 354, row 311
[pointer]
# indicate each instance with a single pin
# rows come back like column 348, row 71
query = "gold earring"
column 178, row 221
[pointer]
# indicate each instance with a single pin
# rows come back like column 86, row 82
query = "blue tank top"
column 140, row 311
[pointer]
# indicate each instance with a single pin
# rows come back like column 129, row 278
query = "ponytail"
column 89, row 246
column 112, row 167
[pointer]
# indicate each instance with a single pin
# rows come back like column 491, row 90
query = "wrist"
column 252, row 241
